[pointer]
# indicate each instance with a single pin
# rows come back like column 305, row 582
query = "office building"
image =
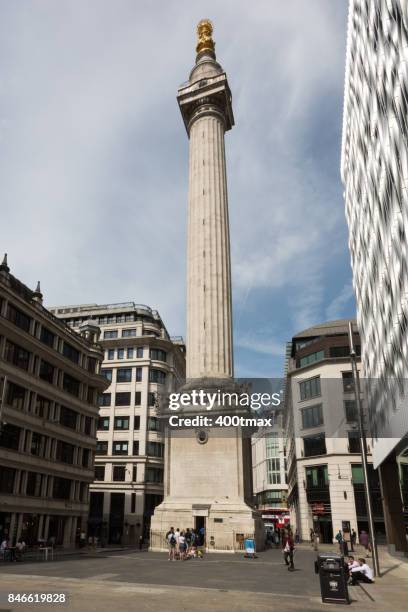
column 374, row 170
column 50, row 383
column 325, row 479
column 141, row 362
column 269, row 475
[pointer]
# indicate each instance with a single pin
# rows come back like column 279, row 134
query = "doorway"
column 199, row 528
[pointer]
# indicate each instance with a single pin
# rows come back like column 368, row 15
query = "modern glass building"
column 374, row 170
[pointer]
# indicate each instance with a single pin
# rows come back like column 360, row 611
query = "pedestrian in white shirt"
column 362, row 573
column 177, row 536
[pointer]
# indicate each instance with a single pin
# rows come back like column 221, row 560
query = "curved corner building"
column 374, row 171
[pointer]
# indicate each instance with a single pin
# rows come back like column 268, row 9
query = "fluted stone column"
column 205, row 104
column 209, row 324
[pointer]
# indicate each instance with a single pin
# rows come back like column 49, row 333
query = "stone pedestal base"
column 226, row 524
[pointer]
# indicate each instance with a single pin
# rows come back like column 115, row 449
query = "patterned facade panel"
column 374, row 169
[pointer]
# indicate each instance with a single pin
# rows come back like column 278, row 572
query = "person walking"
column 288, row 551
column 365, row 541
column 339, row 538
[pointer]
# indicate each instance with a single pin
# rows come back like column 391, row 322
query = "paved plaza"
column 143, row 581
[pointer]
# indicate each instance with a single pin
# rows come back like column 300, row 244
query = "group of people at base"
column 185, row 545
column 359, row 571
column 12, row 553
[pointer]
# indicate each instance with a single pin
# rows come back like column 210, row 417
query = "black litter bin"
column 333, row 578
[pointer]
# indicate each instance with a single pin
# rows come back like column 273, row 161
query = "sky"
column 94, row 158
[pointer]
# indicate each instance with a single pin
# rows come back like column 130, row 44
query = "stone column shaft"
column 209, row 311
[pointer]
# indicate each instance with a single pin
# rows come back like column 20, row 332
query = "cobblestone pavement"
column 148, row 582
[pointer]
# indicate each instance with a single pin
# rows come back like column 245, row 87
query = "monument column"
column 205, row 105
column 208, row 476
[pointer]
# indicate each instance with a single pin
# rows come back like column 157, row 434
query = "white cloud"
column 336, row 307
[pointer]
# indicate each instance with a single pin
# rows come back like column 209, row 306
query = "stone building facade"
column 141, row 361
column 325, row 485
column 50, row 383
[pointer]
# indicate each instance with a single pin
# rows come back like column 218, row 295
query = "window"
column 65, row 452
column 154, row 475
column 128, row 333
column 47, row 337
column 153, row 424
column 155, row 449
column 99, row 472
column 120, row 448
column 310, row 388
column 70, row 384
column 34, row 482
column 344, row 351
column 46, row 371
column 68, row 417
column 135, row 447
column 101, row 448
column 10, row 437
column 311, row 358
column 139, row 352
column 91, row 365
column 61, row 488
column 354, row 442
column 20, row 319
column 312, row 416
column 129, row 353
column 138, row 398
column 121, row 422
column 151, row 399
column 110, row 333
column 348, row 382
column 273, row 471
column 111, row 354
column 17, row 355
column 158, row 355
column 317, row 477
column 350, row 410
column 134, row 475
column 88, row 425
column 121, row 353
column 38, row 444
column 122, row 399
column 43, row 407
column 133, row 503
column 103, row 423
column 86, row 453
column 272, row 445
column 90, row 395
column 314, row 445
column 70, row 352
column 136, row 422
column 157, row 376
column 123, row 375
column 139, row 374
column 7, row 477
column 107, row 374
column 15, row 396
column 105, row 399
column 119, row 473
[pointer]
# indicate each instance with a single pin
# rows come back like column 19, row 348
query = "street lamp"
column 363, row 444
